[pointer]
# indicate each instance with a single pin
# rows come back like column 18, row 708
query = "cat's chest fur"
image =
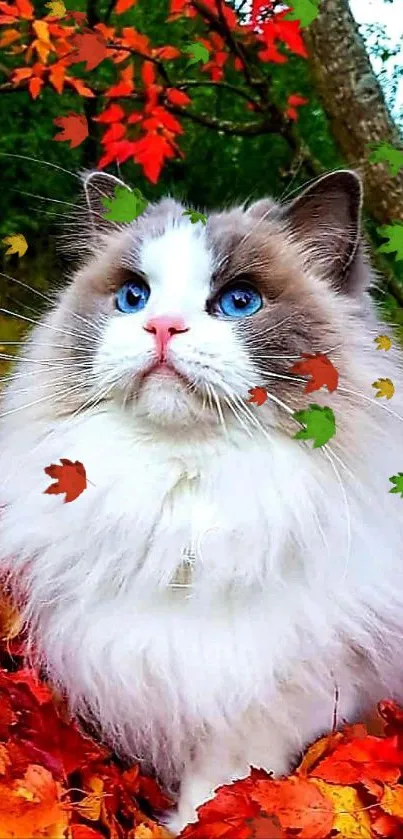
column 240, row 513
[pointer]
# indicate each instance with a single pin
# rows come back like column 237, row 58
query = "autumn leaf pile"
column 56, row 782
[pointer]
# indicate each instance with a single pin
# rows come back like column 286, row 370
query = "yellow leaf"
column 56, row 8
column 18, row 244
column 90, row 806
column 384, row 342
column 385, row 388
column 144, row 831
column 392, row 801
column 351, row 816
column 315, row 752
column 41, row 30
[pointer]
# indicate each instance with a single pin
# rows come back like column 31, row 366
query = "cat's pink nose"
column 164, row 327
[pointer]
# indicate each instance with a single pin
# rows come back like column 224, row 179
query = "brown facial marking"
column 292, row 320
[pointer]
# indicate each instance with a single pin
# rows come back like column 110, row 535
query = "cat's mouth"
column 164, row 370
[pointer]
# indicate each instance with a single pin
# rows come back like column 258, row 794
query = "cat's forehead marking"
column 179, row 264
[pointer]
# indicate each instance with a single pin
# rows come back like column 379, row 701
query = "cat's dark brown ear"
column 326, row 218
column 262, row 209
column 97, row 186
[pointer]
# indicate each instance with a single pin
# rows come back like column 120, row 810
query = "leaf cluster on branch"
column 154, row 85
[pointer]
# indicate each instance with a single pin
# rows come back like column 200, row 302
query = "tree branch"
column 156, row 61
column 107, row 15
column 219, row 85
column 218, row 24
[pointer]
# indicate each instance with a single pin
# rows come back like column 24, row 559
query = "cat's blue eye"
column 132, row 296
column 240, row 300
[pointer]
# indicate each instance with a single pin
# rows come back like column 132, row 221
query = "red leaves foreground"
column 58, row 783
column 55, row 782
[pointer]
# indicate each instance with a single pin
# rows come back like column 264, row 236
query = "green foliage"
column 394, row 234
column 194, row 216
column 385, row 153
column 398, row 481
column 305, row 11
column 320, row 425
column 125, row 206
column 40, row 189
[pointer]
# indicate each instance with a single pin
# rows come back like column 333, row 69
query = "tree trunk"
column 354, row 102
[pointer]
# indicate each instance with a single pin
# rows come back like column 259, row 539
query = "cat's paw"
column 176, row 820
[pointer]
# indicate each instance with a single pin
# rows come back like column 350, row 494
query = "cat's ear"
column 262, row 209
column 98, row 186
column 326, row 219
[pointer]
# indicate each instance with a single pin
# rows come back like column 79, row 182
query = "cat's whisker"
column 231, row 406
column 330, row 454
column 219, row 409
column 373, row 402
column 77, row 207
column 247, row 412
column 42, row 162
column 279, row 402
column 209, row 397
column 241, row 326
column 44, row 362
column 294, row 379
column 13, row 376
column 69, row 334
column 72, row 376
column 23, row 343
column 46, row 398
column 45, row 297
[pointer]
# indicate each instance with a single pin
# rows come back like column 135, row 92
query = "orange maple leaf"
column 258, row 395
column 74, row 128
column 91, row 48
column 298, row 804
column 319, row 366
column 70, row 478
column 31, row 806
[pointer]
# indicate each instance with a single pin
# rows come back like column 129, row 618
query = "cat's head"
column 182, row 319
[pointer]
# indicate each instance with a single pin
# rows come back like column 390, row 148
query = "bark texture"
column 354, row 102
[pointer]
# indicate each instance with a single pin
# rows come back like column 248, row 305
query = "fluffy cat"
column 217, row 580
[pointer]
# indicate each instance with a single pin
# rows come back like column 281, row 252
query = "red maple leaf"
column 258, row 395
column 298, row 804
column 150, row 152
column 90, row 47
column 125, row 86
column 70, row 478
column 293, row 102
column 124, row 5
column 177, row 97
column 319, row 366
column 374, row 758
column 74, row 128
column 227, row 815
column 114, row 113
column 286, row 31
